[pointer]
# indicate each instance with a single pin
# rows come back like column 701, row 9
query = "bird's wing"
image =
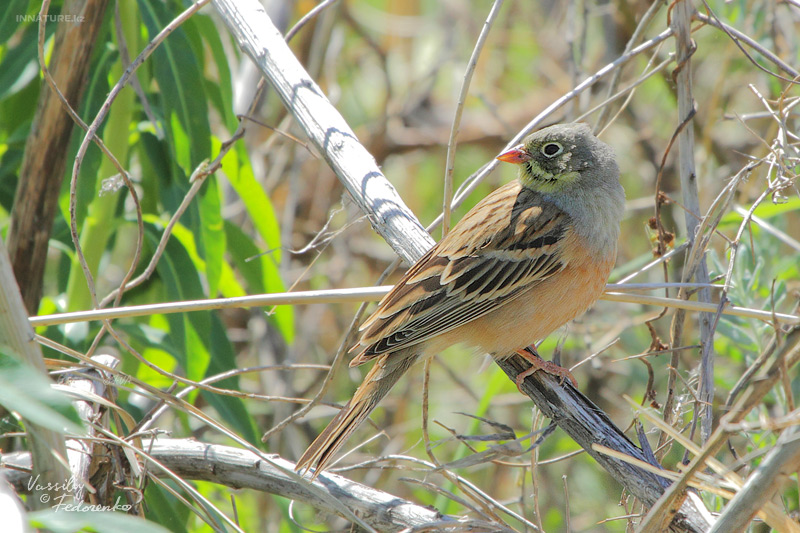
column 509, row 242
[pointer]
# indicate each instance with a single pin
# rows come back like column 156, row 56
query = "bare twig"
column 644, row 23
column 685, row 48
column 462, row 97
column 737, row 36
column 615, row 292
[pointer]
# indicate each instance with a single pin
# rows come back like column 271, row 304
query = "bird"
column 528, row 258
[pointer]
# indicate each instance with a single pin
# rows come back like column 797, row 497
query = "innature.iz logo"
column 51, row 18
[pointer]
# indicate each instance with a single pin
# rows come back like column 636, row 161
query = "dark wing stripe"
column 478, row 283
column 421, row 306
column 478, row 269
column 418, row 331
column 432, row 267
column 540, row 242
column 424, row 289
column 522, row 268
column 436, row 321
column 550, row 238
column 501, row 276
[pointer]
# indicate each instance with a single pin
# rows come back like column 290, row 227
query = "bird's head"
column 561, row 157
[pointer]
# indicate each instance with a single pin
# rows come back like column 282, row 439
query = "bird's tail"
column 377, row 383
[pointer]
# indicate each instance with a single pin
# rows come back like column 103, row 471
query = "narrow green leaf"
column 261, row 274
column 11, row 18
column 236, row 165
column 180, row 80
column 73, row 518
column 10, row 163
column 766, row 210
column 24, row 390
column 222, row 88
column 232, row 410
column 198, row 334
column 211, row 229
column 181, row 282
column 20, row 65
column 87, row 186
column 163, row 507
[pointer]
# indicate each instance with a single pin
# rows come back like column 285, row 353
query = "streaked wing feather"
column 506, row 244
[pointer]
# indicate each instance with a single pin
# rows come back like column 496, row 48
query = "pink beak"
column 516, row 155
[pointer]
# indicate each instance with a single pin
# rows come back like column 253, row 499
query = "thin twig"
column 615, row 292
column 462, row 97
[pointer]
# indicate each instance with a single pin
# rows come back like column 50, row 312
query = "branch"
column 325, row 128
column 684, row 49
column 787, row 356
column 40, row 178
column 237, row 468
column 85, row 453
column 775, row 471
column 615, row 292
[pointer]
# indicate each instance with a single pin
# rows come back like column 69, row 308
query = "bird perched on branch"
column 527, row 259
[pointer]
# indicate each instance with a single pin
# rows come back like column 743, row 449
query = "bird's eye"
column 552, row 149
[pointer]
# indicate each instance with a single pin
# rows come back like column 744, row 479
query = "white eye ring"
column 547, row 149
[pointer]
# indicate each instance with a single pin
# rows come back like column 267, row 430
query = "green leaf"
column 182, row 282
column 164, row 508
column 180, row 142
column 229, row 286
column 180, row 81
column 9, row 18
column 154, row 159
column 20, row 65
column 765, row 211
column 222, row 90
column 10, row 163
column 79, row 517
column 261, row 275
column 232, row 410
column 211, row 229
column 94, row 97
column 25, row 390
column 156, row 347
column 236, row 166
column 198, row 334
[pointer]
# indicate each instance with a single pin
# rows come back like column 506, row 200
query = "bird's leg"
column 530, row 355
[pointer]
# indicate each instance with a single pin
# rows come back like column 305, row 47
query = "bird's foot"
column 538, row 363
